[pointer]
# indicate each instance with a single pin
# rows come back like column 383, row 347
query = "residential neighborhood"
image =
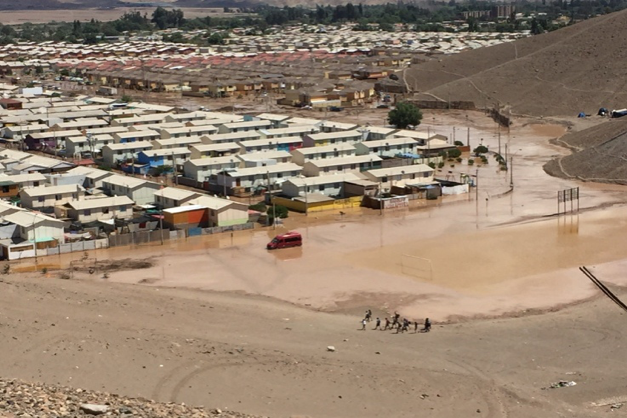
column 97, row 174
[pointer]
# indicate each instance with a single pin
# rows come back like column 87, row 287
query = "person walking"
column 368, row 315
column 387, row 323
column 415, row 327
column 427, row 327
column 378, row 323
column 363, row 324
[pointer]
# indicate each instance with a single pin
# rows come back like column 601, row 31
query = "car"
column 383, row 106
column 336, row 109
column 287, row 240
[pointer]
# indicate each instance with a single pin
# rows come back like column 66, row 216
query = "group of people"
column 395, row 323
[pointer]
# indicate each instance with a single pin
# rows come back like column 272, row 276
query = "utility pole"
column 499, row 134
column 511, row 172
column 306, row 200
column 477, row 188
column 161, row 226
column 468, row 137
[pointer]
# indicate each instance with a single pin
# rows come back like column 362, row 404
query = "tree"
column 126, row 98
column 404, row 115
column 454, row 153
column 279, row 211
column 481, row 149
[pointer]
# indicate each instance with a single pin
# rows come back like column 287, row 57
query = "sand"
column 219, row 321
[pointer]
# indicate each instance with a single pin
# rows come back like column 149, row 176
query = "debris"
column 330, row 348
column 92, row 409
column 616, row 406
column 561, row 384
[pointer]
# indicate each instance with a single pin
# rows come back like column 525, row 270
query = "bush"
column 471, row 161
column 279, row 211
column 480, row 150
column 432, row 165
column 484, row 159
column 441, row 164
column 454, row 153
column 458, row 159
column 126, row 98
column 459, row 144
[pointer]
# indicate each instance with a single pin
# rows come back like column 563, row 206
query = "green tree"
column 279, row 211
column 126, row 98
column 404, row 115
column 454, row 153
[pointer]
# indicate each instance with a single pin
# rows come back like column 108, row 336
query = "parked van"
column 290, row 239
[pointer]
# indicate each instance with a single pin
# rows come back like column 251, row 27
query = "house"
column 277, row 120
column 222, row 212
column 186, row 117
column 93, row 179
column 10, row 104
column 176, row 142
column 188, row 131
column 139, row 191
column 81, row 144
column 354, row 163
column 8, row 188
column 202, row 169
column 232, row 137
column 170, row 197
column 374, row 133
column 263, row 158
column 140, row 120
column 246, row 180
column 389, row 147
column 302, row 155
column 332, row 126
column 214, row 150
column 288, row 143
column 48, row 197
column 22, row 231
column 418, row 174
column 20, row 132
column 97, row 209
column 81, row 124
column 114, row 154
column 50, row 140
column 253, row 125
column 26, row 180
column 329, row 185
column 186, row 217
column 330, row 138
column 172, row 157
column 41, row 164
column 137, row 135
column 290, row 131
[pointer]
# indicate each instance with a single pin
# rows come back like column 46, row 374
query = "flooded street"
column 490, row 252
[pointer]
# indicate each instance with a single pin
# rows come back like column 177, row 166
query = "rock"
column 331, row 348
column 93, row 409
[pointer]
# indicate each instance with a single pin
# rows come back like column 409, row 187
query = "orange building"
column 185, row 217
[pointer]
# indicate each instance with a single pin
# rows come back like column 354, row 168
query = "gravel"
column 22, row 399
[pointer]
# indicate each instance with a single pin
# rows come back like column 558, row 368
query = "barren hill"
column 578, row 68
column 600, row 154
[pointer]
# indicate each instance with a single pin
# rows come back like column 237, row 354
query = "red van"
column 290, row 239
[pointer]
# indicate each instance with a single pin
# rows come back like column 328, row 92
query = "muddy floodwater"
column 499, row 249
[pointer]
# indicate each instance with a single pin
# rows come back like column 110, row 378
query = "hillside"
column 575, row 69
column 600, row 154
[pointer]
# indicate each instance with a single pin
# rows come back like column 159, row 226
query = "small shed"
column 186, row 217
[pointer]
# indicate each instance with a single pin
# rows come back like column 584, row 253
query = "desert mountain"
column 579, row 68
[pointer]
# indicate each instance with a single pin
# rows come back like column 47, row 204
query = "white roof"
column 28, row 218
column 168, row 151
column 137, row 134
column 127, row 181
column 100, row 202
column 273, row 117
column 184, row 208
column 388, row 142
column 233, row 136
column 205, row 162
column 212, row 202
column 21, row 178
column 50, row 190
column 270, row 141
column 324, row 149
column 348, row 159
column 264, row 155
column 144, row 145
column 276, row 168
column 339, row 125
column 334, row 135
column 175, row 193
column 407, row 169
column 248, row 124
column 317, row 180
column 223, row 146
column 291, row 130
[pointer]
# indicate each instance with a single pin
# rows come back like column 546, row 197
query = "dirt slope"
column 599, row 154
column 578, row 68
